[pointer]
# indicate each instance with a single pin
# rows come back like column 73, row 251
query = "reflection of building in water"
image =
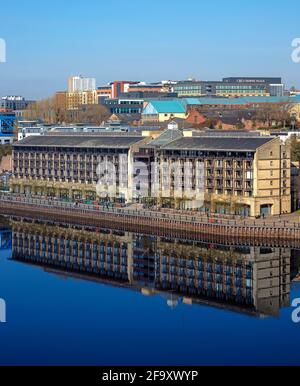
column 246, row 276
column 5, row 234
column 245, row 279
column 74, row 250
column 295, row 265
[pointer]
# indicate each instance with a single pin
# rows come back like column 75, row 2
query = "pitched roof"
column 245, row 113
column 226, row 133
column 230, row 120
column 166, row 137
column 168, row 107
column 83, row 141
column 125, row 117
column 218, row 143
column 238, row 101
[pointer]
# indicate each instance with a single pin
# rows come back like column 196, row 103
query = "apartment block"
column 75, row 100
column 81, row 84
column 230, row 174
column 75, row 166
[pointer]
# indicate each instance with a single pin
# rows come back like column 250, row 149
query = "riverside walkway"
column 191, row 225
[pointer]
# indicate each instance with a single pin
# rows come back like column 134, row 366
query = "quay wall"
column 218, row 231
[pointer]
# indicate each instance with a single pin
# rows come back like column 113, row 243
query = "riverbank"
column 191, row 226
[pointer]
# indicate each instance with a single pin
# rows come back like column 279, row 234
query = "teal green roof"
column 166, row 107
column 238, row 101
column 179, row 106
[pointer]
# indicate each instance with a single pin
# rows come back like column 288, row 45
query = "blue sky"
column 159, row 39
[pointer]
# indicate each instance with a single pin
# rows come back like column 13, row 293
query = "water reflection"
column 5, row 234
column 246, row 279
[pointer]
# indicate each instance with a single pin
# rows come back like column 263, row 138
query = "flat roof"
column 83, row 141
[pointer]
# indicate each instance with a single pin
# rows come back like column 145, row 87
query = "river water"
column 78, row 296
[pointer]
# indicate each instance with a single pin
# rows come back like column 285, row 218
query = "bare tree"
column 50, row 111
column 280, row 113
column 93, row 114
column 46, row 110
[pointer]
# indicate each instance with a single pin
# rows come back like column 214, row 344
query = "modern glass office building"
column 231, row 87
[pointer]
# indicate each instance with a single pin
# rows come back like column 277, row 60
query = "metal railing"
column 159, row 214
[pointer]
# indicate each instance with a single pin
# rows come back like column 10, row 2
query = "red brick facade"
column 195, row 117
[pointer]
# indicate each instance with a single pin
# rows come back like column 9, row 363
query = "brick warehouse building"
column 244, row 175
column 65, row 166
